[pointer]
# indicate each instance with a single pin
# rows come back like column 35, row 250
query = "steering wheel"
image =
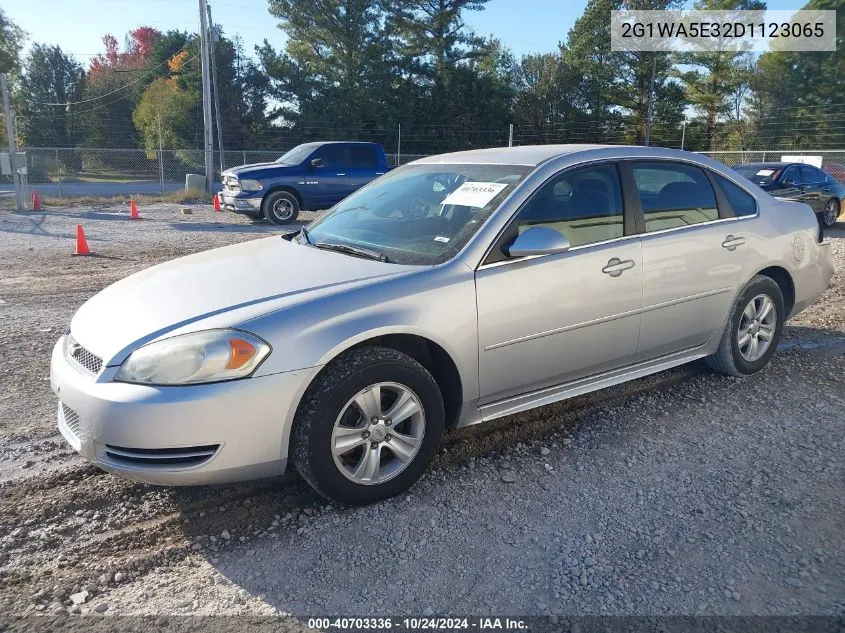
column 417, row 208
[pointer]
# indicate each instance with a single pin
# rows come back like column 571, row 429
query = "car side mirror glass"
column 317, row 163
column 787, row 182
column 538, row 240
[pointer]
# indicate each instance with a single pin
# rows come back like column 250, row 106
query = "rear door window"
column 363, row 156
column 333, row 156
column 808, row 175
column 673, row 195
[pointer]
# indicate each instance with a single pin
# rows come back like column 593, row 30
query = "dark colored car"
column 310, row 176
column 800, row 182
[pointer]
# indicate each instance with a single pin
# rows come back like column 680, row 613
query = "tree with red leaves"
column 141, row 43
column 107, row 122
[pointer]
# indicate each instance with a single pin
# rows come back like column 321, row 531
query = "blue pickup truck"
column 310, row 176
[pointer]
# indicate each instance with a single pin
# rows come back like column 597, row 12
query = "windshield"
column 298, row 154
column 417, row 214
column 759, row 174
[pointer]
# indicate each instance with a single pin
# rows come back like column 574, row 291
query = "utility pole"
column 212, row 34
column 683, row 131
column 208, row 135
column 650, row 101
column 10, row 131
column 160, row 157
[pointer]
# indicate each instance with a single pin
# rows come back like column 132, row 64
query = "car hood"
column 217, row 288
column 246, row 171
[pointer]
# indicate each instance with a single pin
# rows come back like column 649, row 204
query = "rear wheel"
column 280, row 207
column 831, row 213
column 753, row 330
column 368, row 427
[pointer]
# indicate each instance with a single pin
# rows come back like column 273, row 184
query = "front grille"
column 162, row 457
column 82, row 357
column 71, row 419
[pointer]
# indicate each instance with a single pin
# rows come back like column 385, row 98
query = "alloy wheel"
column 283, row 209
column 831, row 212
column 757, row 328
column 378, row 433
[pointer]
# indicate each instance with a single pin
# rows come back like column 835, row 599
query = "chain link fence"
column 63, row 172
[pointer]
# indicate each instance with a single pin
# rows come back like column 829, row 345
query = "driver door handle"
column 341, row 174
column 732, row 243
column 616, row 266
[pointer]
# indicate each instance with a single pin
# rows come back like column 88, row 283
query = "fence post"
column 160, row 158
column 510, row 135
column 244, row 158
column 399, row 146
column 59, row 172
column 764, row 156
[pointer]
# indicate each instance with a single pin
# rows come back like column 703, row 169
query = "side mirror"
column 538, row 240
column 317, row 163
column 787, row 182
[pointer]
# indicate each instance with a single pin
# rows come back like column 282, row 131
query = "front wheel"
column 280, row 207
column 831, row 213
column 368, row 426
column 753, row 331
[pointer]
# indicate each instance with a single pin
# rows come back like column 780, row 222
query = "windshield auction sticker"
column 692, row 31
column 474, row 194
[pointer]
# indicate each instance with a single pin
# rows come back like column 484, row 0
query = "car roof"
column 340, row 143
column 520, row 155
column 533, row 155
column 776, row 165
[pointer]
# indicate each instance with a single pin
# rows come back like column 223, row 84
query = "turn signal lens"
column 241, row 353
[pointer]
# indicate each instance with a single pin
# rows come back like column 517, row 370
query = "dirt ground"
column 685, row 493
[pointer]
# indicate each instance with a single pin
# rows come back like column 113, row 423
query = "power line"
column 131, row 83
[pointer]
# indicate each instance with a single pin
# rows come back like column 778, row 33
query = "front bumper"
column 240, row 201
column 188, row 435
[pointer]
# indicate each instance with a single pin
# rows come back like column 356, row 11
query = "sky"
column 78, row 26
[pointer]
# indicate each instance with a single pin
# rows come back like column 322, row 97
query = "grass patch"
column 176, row 197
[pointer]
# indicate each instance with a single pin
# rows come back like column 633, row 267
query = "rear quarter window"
column 742, row 202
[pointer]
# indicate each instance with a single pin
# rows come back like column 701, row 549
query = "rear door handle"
column 732, row 243
column 616, row 266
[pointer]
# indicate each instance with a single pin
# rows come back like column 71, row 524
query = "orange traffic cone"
column 81, row 243
column 217, row 202
column 36, row 201
column 133, row 210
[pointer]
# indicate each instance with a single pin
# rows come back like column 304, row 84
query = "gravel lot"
column 685, row 493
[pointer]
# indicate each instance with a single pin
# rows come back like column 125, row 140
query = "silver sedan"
column 455, row 290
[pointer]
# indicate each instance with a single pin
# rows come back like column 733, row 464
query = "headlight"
column 208, row 356
column 251, row 185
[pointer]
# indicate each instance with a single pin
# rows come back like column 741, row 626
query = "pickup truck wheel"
column 281, row 207
column 368, row 426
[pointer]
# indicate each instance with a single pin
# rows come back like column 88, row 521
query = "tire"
column 733, row 356
column 831, row 213
column 329, row 414
column 280, row 207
